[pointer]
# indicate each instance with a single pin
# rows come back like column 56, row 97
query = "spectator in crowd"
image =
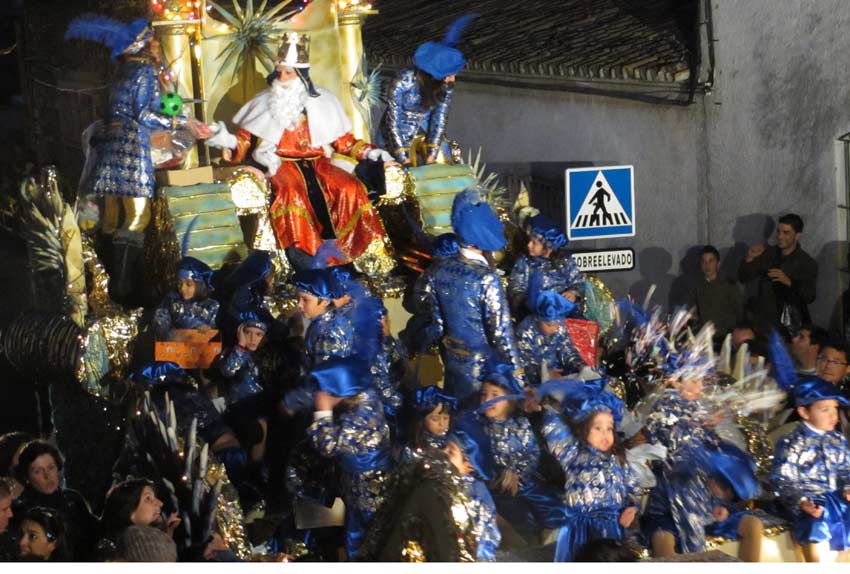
column 40, row 471
column 141, row 543
column 41, row 536
column 715, row 298
column 7, row 545
column 743, row 333
column 787, row 278
column 10, row 449
column 806, row 347
column 832, row 364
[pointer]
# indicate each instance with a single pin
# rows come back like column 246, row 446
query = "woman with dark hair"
column 40, row 471
column 41, row 536
column 10, row 444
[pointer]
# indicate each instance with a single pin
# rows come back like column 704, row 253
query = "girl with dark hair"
column 40, row 470
column 42, row 536
column 431, row 424
column 189, row 306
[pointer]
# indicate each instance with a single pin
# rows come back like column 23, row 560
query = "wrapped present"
column 190, row 349
column 584, row 335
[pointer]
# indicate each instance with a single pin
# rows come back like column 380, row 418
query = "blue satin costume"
column 680, row 503
column 330, row 335
column 816, row 466
column 405, row 117
column 238, row 366
column 535, row 347
column 514, row 447
column 597, row 490
column 124, row 167
column 471, row 315
column 559, row 273
column 482, row 510
column 387, row 370
column 174, row 312
column 360, row 441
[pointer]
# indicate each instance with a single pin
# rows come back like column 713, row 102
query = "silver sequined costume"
column 535, row 347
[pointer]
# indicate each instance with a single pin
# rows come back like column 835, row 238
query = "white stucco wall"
column 761, row 144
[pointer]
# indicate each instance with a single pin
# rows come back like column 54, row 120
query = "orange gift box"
column 584, row 335
column 190, row 349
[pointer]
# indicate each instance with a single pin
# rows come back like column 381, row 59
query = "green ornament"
column 170, row 104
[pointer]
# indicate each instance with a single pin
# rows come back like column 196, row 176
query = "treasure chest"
column 190, row 349
column 584, row 335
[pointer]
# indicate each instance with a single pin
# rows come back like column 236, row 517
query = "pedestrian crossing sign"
column 600, row 202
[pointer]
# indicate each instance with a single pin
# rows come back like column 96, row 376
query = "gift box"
column 190, row 349
column 584, row 335
column 183, row 177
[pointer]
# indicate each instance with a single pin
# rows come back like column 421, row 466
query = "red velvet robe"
column 356, row 223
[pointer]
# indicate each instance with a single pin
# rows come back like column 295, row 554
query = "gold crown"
column 295, row 50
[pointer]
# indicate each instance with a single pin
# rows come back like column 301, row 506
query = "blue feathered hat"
column 341, row 377
column 547, row 232
column 735, row 467
column 196, row 270
column 253, row 319
column 157, row 372
column 441, row 60
column 467, row 433
column 445, row 245
column 551, row 307
column 476, row 223
column 812, row 389
column 582, row 399
column 252, row 269
column 503, row 375
column 119, row 37
column 426, row 399
column 339, row 281
column 317, row 282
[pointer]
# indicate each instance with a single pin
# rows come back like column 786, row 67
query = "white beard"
column 286, row 102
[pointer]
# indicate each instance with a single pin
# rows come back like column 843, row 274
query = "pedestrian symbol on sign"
column 600, row 202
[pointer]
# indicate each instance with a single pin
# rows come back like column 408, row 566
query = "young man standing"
column 715, row 298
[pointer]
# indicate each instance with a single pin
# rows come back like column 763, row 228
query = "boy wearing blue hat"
column 331, row 330
column 469, row 305
column 420, row 97
column 543, row 337
column 189, row 307
column 546, row 258
column 811, row 471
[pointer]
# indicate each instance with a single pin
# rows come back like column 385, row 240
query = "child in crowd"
column 526, row 505
column 433, row 418
column 811, row 471
column 545, row 256
column 349, row 426
column 543, row 337
column 237, row 363
column 330, row 333
column 601, row 491
column 189, row 306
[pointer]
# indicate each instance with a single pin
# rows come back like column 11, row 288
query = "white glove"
column 266, row 155
column 222, row 137
column 377, row 154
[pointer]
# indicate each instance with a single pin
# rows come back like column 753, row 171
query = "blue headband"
column 429, row 398
column 502, row 375
column 341, row 377
column 317, row 282
column 252, row 319
column 583, row 399
column 547, row 232
column 196, row 270
column 813, row 389
column 551, row 306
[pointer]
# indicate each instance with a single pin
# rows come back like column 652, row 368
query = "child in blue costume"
column 732, row 482
column 189, row 306
column 543, row 336
column 546, row 257
column 249, row 284
column 388, row 369
column 237, row 363
column 811, row 471
column 527, row 505
column 349, row 426
column 468, row 448
column 433, row 411
column 331, row 330
column 601, row 491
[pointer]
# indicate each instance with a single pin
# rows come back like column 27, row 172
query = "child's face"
column 253, row 337
column 537, row 249
column 455, row 454
column 186, row 288
column 600, row 435
column 501, row 410
column 691, row 389
column 310, row 305
column 437, row 421
column 822, row 415
column 548, row 328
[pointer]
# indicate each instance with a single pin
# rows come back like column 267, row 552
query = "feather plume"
column 456, row 29
column 184, row 244
column 783, row 367
column 94, row 28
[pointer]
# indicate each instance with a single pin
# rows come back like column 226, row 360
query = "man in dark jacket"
column 787, row 277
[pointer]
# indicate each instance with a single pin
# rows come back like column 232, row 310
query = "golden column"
column 350, row 14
